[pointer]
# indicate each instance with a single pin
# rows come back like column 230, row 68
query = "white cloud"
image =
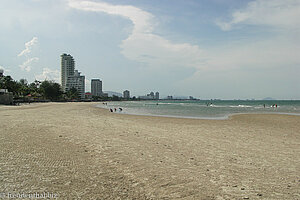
column 28, row 46
column 142, row 44
column 276, row 51
column 276, row 13
column 28, row 64
column 142, row 20
column 279, row 48
column 49, row 74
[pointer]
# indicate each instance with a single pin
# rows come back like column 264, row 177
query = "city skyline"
column 232, row 49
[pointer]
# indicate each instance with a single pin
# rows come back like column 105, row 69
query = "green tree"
column 35, row 87
column 8, row 83
column 2, row 86
column 51, row 90
column 23, row 82
column 73, row 93
column 23, row 87
column 115, row 98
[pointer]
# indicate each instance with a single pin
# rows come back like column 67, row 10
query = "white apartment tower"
column 67, row 69
column 96, row 86
column 77, row 81
column 71, row 78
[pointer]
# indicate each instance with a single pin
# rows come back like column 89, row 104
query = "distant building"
column 3, row 91
column 71, row 78
column 67, row 69
column 157, row 95
column 96, row 86
column 6, row 97
column 126, row 94
column 170, row 97
column 78, row 82
column 150, row 96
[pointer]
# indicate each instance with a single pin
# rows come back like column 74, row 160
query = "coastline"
column 78, row 150
column 225, row 117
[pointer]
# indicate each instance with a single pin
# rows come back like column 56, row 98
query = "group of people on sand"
column 115, row 110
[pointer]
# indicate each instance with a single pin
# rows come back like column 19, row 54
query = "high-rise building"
column 156, row 95
column 151, row 94
column 78, row 82
column 71, row 78
column 126, row 94
column 96, row 86
column 67, row 69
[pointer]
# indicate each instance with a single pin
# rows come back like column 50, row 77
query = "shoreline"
column 226, row 117
column 76, row 150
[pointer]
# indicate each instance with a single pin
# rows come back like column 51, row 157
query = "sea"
column 203, row 109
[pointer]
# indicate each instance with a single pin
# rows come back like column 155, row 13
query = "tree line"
column 37, row 90
column 46, row 90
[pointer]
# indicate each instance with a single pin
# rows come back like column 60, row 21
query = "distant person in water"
column 111, row 110
column 264, row 105
column 115, row 110
column 120, row 109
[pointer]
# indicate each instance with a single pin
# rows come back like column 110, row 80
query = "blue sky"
column 225, row 49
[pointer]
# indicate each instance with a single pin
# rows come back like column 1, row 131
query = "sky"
column 225, row 49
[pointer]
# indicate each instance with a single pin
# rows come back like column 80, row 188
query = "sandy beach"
column 78, row 151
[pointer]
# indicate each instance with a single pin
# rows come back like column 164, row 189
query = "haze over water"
column 205, row 109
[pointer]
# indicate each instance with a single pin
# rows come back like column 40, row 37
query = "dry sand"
column 78, row 151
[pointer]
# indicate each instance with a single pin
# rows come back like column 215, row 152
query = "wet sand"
column 74, row 150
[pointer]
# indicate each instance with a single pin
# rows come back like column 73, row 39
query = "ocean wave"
column 241, row 106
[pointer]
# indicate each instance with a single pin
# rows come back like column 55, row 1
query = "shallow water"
column 219, row 109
